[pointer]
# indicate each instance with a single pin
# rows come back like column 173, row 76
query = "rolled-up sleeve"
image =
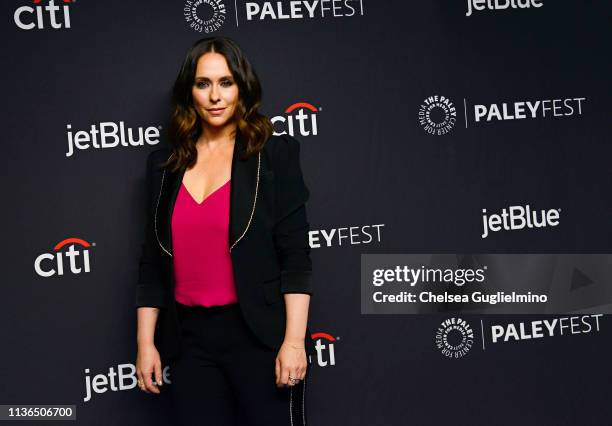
column 291, row 226
column 150, row 288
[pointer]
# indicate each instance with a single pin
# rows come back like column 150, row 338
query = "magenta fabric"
column 200, row 239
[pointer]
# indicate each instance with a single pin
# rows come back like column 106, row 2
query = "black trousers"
column 225, row 375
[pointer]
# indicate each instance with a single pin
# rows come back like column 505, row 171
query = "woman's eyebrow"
column 208, row 79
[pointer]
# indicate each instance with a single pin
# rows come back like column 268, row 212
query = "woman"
column 224, row 278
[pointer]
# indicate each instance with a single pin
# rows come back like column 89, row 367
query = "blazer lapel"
column 243, row 193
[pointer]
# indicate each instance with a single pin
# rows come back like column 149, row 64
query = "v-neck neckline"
column 207, row 197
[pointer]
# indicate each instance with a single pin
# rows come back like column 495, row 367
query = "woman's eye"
column 202, row 84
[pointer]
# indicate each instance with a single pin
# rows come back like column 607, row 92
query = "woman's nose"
column 214, row 93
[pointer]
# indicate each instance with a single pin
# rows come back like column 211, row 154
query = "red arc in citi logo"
column 49, row 264
column 326, row 355
column 300, row 119
column 41, row 17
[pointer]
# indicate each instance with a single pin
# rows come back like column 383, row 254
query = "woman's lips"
column 216, row 111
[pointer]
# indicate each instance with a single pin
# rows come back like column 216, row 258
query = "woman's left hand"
column 291, row 361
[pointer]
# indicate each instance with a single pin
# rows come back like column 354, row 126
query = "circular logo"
column 454, row 337
column 204, row 15
column 437, row 115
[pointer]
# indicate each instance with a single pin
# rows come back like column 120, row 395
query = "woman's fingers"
column 288, row 373
column 158, row 373
column 140, row 379
column 290, row 364
column 148, row 379
column 277, row 371
column 299, row 374
column 148, row 364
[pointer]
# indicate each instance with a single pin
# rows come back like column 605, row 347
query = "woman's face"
column 214, row 91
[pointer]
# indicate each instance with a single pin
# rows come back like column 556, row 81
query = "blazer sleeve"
column 150, row 287
column 291, row 226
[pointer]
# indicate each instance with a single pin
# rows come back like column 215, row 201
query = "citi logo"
column 77, row 255
column 122, row 379
column 478, row 5
column 518, row 217
column 56, row 17
column 110, row 135
column 324, row 346
column 301, row 117
column 267, row 10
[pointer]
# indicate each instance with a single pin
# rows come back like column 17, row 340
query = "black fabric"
column 269, row 241
column 225, row 375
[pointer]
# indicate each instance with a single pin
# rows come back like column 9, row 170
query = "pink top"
column 202, row 263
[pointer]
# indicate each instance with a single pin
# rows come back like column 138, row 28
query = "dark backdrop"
column 370, row 162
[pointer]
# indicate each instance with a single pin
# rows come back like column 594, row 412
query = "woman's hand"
column 291, row 361
column 147, row 363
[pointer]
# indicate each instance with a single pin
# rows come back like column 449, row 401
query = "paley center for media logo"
column 50, row 264
column 454, row 338
column 41, row 17
column 207, row 16
column 518, row 217
column 437, row 113
column 110, row 135
column 479, row 5
column 299, row 119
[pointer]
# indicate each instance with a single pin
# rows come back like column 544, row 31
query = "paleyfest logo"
column 454, row 337
column 205, row 16
column 437, row 115
column 305, row 9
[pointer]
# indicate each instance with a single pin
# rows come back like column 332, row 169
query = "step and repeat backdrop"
column 459, row 161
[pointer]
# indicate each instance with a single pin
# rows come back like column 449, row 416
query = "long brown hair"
column 186, row 125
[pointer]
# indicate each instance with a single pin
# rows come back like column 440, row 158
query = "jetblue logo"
column 110, row 135
column 518, row 217
column 479, row 5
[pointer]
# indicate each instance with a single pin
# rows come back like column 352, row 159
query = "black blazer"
column 268, row 238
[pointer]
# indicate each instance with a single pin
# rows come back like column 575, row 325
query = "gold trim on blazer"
column 244, row 190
